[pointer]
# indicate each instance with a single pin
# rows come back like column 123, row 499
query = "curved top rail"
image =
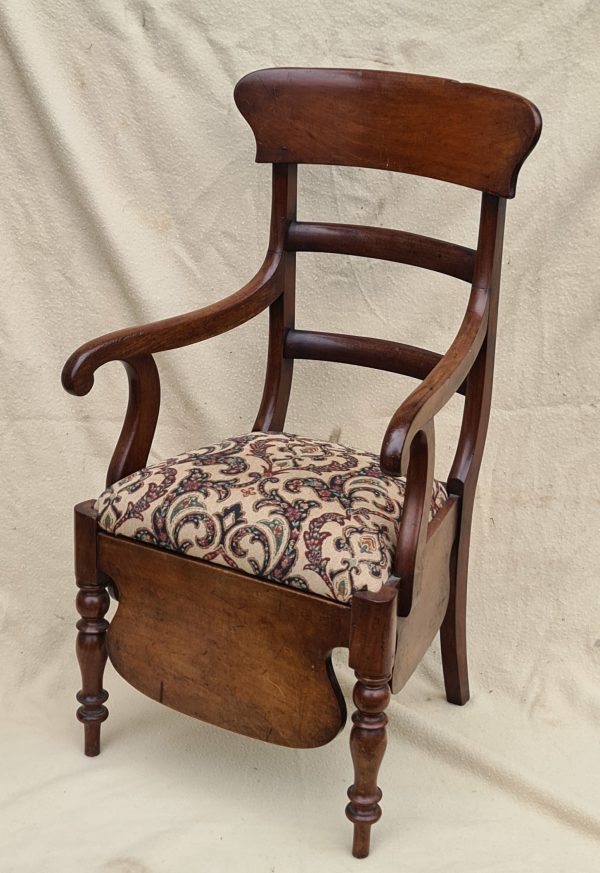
column 453, row 131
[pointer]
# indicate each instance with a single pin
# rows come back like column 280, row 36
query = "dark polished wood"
column 278, row 379
column 374, row 617
column 135, row 440
column 462, row 480
column 412, row 536
column 363, row 351
column 440, row 128
column 233, row 650
column 437, row 388
column 417, row 630
column 177, row 332
column 383, row 243
column 245, row 653
column 92, row 605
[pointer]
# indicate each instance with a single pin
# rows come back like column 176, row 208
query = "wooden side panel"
column 454, row 131
column 416, row 632
column 240, row 653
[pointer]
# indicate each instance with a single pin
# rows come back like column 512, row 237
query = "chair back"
column 461, row 133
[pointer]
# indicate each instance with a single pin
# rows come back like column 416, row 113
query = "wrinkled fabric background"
column 129, row 193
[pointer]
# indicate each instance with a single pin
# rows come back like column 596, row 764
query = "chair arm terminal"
column 176, row 332
column 437, row 388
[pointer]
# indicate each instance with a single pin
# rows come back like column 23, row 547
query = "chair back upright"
column 461, row 133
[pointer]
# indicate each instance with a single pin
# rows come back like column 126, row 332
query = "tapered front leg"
column 92, row 604
column 372, row 646
column 368, row 742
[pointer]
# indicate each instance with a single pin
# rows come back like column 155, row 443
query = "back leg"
column 453, row 633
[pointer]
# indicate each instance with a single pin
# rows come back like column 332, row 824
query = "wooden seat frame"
column 245, row 653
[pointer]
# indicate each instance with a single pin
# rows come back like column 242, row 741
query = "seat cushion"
column 314, row 515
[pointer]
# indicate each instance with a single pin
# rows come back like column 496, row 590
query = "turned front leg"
column 372, row 646
column 92, row 605
column 368, row 741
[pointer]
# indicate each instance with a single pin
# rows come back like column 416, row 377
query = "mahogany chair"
column 239, row 567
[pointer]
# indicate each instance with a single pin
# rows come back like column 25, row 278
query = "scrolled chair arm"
column 135, row 346
column 135, row 440
column 409, row 444
column 437, row 388
column 412, row 535
column 176, row 332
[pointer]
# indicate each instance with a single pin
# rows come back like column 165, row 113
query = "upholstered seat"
column 314, row 515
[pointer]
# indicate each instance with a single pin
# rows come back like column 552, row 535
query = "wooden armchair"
column 239, row 567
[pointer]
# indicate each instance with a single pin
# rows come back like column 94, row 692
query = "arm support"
column 134, row 348
column 437, row 388
column 133, row 446
column 409, row 445
column 171, row 333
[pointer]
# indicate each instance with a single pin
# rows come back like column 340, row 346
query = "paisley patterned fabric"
column 314, row 515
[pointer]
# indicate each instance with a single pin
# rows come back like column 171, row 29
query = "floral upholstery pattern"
column 313, row 515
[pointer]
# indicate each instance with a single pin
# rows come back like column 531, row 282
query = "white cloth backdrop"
column 129, row 193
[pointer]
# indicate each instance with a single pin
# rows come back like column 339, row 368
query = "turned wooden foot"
column 92, row 605
column 372, row 644
column 368, row 741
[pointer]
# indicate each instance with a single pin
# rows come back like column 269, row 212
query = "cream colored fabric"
column 129, row 193
column 310, row 514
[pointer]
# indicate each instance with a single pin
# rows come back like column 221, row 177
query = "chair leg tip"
column 91, row 740
column 358, row 853
column 458, row 695
column 361, row 841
